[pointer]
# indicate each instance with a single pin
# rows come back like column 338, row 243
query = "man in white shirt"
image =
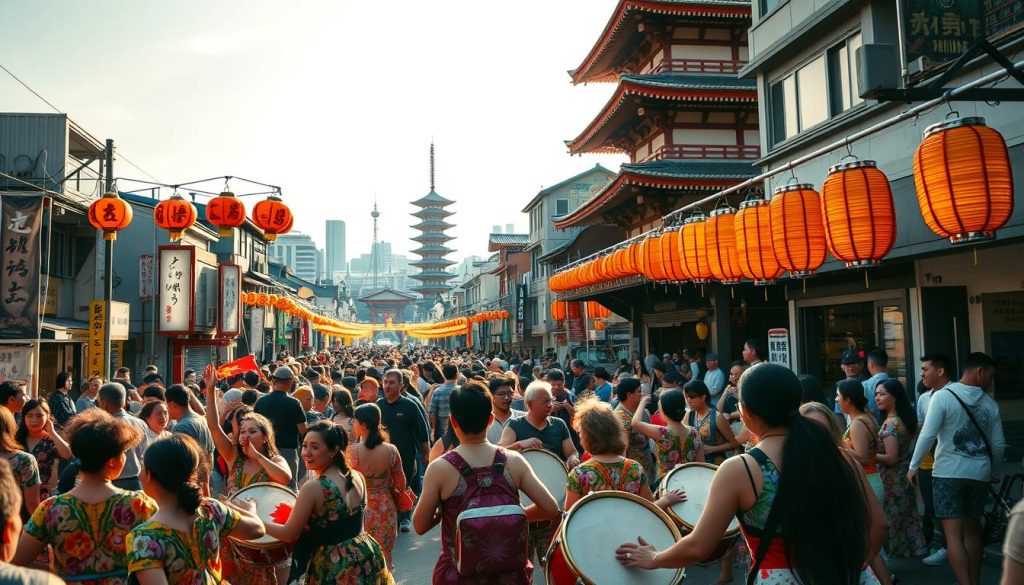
column 501, row 407
column 714, row 378
column 970, row 445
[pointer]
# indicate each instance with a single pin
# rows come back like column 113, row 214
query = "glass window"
column 844, row 92
column 769, row 5
column 811, row 86
column 561, row 207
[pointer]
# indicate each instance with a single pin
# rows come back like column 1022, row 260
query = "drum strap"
column 771, row 525
column 606, row 475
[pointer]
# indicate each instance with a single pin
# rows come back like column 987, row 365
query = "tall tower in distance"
column 433, row 264
column 336, row 261
column 375, row 249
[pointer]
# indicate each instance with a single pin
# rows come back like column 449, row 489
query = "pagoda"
column 433, row 252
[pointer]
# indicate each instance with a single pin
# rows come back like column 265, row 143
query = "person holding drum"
column 629, row 393
column 254, row 459
column 715, row 432
column 831, row 527
column 87, row 526
column 602, row 436
column 444, row 485
column 675, row 443
column 381, row 465
column 162, row 550
column 327, row 522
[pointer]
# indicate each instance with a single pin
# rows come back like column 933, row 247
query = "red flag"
column 239, row 366
column 281, row 513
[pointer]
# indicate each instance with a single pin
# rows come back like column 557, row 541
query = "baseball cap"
column 232, row 395
column 850, row 357
column 370, row 380
column 303, row 392
column 349, row 382
column 284, row 373
column 711, row 357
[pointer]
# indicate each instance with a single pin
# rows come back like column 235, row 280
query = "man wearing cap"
column 714, row 378
column 287, row 416
column 850, row 363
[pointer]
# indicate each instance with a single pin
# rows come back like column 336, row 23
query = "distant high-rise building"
column 299, row 252
column 336, row 261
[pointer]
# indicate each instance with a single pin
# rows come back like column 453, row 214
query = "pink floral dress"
column 381, row 515
column 673, row 449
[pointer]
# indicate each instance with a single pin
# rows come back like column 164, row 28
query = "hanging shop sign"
column 177, row 289
column 229, row 321
column 778, row 346
column 942, row 30
column 16, row 363
column 97, row 328
column 120, row 321
column 521, row 294
column 146, row 274
column 19, row 278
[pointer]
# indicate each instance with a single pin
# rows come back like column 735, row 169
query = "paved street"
column 415, row 557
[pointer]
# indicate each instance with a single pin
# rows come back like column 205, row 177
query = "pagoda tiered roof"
column 686, row 176
column 708, row 92
column 431, row 250
column 432, row 225
column 432, row 199
column 432, row 261
column 432, row 237
column 433, row 213
column 620, row 38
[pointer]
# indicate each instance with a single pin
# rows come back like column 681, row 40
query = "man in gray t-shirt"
column 191, row 424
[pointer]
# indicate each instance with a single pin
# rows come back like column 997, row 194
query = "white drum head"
column 551, row 472
column 695, row 480
column 274, row 504
column 602, row 521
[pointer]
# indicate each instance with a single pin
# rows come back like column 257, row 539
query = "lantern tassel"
column 732, row 293
column 866, row 283
column 975, row 250
column 766, row 294
column 804, row 282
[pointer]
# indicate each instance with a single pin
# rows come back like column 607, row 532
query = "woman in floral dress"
column 895, row 448
column 676, row 442
column 88, row 526
column 715, row 432
column 327, row 521
column 603, row 436
column 181, row 543
column 37, row 435
column 24, row 466
column 254, row 459
column 381, row 465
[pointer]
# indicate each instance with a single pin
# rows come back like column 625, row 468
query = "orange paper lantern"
column 720, row 241
column 273, row 217
column 798, row 233
column 175, row 215
column 558, row 311
column 858, row 212
column 652, row 261
column 111, row 214
column 596, row 310
column 599, row 325
column 964, row 180
column 672, row 261
column 226, row 212
column 754, row 242
column 692, row 250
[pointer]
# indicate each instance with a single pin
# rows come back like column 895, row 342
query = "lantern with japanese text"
column 798, row 233
column 720, row 241
column 175, row 215
column 273, row 217
column 693, row 253
column 111, row 214
column 859, row 214
column 226, row 212
column 754, row 242
column 964, row 180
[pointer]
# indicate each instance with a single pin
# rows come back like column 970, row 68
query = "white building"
column 299, row 252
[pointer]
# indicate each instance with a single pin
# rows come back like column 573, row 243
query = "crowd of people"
column 110, row 483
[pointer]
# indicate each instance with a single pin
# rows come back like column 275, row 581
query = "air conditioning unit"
column 878, row 67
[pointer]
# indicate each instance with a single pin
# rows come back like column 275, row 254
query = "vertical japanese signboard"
column 119, row 321
column 778, row 346
column 97, row 350
column 521, row 296
column 176, row 266
column 20, row 221
column 229, row 314
column 146, row 279
column 942, row 30
column 16, row 363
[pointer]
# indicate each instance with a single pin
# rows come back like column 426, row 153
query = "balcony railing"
column 705, row 151
column 707, row 66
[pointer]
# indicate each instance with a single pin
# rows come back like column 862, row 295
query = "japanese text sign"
column 97, row 349
column 20, row 222
column 229, row 315
column 176, row 289
column 778, row 346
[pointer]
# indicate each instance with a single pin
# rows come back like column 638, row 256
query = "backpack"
column 491, row 530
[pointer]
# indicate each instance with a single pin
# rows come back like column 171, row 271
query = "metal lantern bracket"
column 936, row 88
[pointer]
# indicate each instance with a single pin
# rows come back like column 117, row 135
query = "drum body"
column 273, row 505
column 695, row 480
column 551, row 472
column 583, row 551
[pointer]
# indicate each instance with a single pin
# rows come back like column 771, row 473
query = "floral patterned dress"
column 186, row 558
column 673, row 449
column 595, row 476
column 89, row 540
column 871, row 467
column 242, row 571
column 708, row 435
column 45, row 453
column 381, row 514
column 25, row 470
column 356, row 561
column 906, row 535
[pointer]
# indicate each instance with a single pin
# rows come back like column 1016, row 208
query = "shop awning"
column 55, row 329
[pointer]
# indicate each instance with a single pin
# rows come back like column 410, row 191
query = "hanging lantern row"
column 271, row 215
column 320, row 322
column 489, row 316
column 964, row 186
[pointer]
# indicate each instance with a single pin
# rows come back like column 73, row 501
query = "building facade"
column 336, row 260
column 299, row 252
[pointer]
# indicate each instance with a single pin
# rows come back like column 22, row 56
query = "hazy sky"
column 336, row 101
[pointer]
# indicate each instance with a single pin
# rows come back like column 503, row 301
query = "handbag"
column 405, row 500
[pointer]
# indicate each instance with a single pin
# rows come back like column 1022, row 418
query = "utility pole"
column 108, row 272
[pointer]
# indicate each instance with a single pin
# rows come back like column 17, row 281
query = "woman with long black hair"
column 895, row 449
column 806, row 515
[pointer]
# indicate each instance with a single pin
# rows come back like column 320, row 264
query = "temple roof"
column 658, row 91
column 433, row 213
column 432, row 261
column 430, row 249
column 386, row 295
column 432, row 225
column 678, row 175
column 432, row 237
column 432, row 199
column 620, row 36
column 432, row 275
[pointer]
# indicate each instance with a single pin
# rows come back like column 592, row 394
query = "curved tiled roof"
column 432, row 199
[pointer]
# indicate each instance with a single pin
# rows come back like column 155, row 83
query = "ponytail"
column 334, row 437
column 189, row 497
column 369, row 415
column 173, row 463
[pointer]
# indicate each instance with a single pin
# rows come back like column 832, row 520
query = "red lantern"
column 226, row 212
column 754, row 242
column 798, row 233
column 720, row 240
column 273, row 217
column 859, row 213
column 175, row 215
column 600, row 326
column 111, row 214
column 693, row 253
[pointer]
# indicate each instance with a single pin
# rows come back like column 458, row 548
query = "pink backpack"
column 491, row 530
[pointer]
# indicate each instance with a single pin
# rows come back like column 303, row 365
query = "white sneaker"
column 937, row 558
